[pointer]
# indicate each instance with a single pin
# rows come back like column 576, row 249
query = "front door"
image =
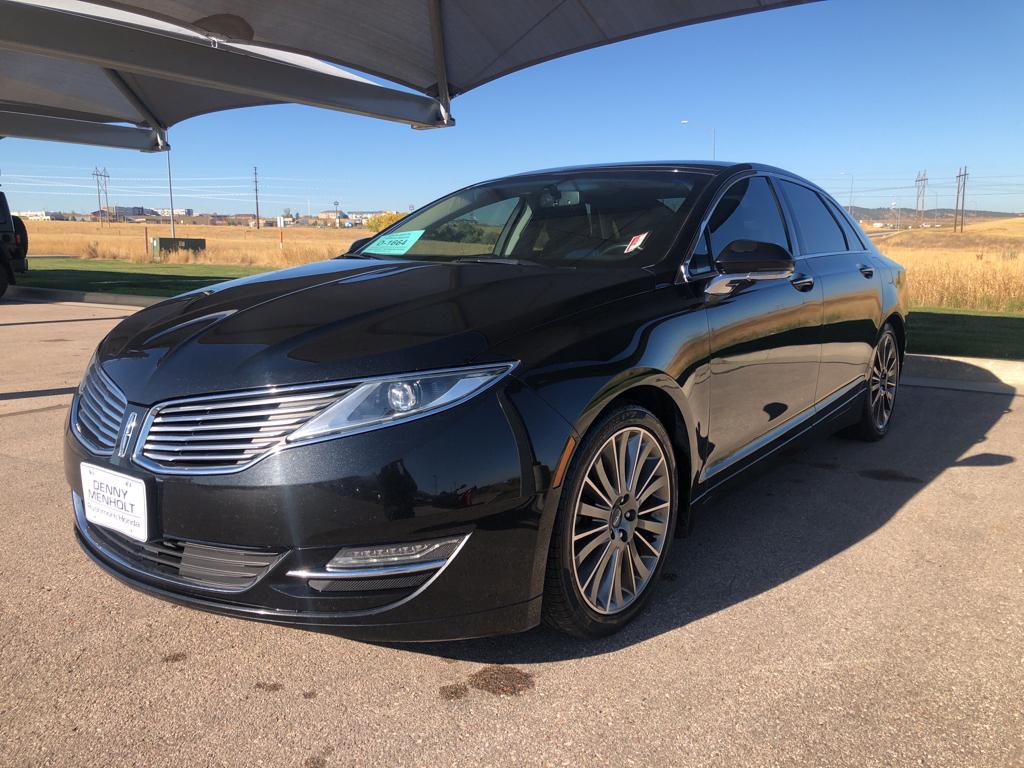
column 765, row 336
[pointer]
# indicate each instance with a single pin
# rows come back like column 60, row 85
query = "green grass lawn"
column 966, row 333
column 108, row 276
column 932, row 331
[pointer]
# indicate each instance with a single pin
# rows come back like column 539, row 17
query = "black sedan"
column 500, row 411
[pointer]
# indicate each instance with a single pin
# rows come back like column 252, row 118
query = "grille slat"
column 99, row 410
column 210, row 404
column 231, row 431
column 246, row 414
column 158, row 426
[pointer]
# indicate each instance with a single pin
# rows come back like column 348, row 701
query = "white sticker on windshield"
column 636, row 242
column 395, row 244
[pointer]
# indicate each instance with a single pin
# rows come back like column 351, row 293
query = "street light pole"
column 711, row 130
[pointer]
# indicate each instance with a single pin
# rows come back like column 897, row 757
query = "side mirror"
column 355, row 245
column 745, row 260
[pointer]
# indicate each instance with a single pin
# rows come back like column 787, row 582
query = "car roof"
column 700, row 166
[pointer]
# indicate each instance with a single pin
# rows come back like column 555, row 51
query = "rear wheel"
column 883, row 382
column 3, row 280
column 614, row 526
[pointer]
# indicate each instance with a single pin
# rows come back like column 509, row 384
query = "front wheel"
column 615, row 522
column 3, row 281
column 883, row 382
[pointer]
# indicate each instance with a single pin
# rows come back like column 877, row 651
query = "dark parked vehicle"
column 499, row 411
column 13, row 245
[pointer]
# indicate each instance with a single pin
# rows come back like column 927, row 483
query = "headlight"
column 385, row 401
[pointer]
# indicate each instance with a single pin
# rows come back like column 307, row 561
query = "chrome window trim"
column 684, row 269
column 139, row 459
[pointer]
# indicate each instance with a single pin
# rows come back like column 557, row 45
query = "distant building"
column 39, row 215
column 177, row 212
column 360, row 217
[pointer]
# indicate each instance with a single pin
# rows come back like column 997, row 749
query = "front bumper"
column 470, row 472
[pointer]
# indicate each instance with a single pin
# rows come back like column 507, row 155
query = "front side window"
column 589, row 218
column 747, row 211
column 819, row 231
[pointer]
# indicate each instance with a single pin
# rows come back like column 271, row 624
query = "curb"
column 87, row 297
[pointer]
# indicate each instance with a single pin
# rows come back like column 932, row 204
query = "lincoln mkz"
column 498, row 412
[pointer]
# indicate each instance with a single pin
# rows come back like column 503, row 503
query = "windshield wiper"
column 498, row 260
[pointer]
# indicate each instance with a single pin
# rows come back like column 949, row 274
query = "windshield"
column 597, row 218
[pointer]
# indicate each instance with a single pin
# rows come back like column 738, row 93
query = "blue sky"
column 870, row 88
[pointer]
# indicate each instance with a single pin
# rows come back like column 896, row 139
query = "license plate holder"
column 116, row 501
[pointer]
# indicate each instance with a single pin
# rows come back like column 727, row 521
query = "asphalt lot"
column 856, row 605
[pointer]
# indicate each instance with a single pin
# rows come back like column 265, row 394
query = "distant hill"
column 887, row 214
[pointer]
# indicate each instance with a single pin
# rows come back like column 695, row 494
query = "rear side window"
column 819, row 231
column 748, row 211
column 853, row 239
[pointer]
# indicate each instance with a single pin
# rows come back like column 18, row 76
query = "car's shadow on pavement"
column 806, row 507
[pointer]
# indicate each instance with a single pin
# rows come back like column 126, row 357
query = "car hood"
column 343, row 319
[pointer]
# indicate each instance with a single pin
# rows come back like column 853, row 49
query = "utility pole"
column 337, row 216
column 256, row 186
column 921, row 182
column 960, row 210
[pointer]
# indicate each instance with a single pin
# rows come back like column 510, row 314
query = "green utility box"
column 160, row 245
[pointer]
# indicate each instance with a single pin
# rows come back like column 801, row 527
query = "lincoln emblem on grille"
column 126, row 435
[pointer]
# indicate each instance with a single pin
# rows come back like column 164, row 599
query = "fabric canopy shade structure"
column 78, row 72
column 73, row 70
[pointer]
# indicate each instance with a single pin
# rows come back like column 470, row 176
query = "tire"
column 3, row 280
column 631, row 538
column 883, row 383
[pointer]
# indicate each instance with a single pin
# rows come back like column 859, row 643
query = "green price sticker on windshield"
column 394, row 244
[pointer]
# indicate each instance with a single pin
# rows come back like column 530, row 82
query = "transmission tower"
column 102, row 193
column 921, row 182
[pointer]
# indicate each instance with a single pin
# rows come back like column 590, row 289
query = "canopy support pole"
column 170, row 190
column 141, row 107
column 440, row 62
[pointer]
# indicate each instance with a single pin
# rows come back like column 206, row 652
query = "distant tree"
column 287, row 213
column 383, row 220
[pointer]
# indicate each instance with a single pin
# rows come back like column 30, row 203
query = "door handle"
column 866, row 270
column 802, row 283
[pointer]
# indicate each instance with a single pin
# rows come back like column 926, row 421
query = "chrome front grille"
column 98, row 411
column 227, row 433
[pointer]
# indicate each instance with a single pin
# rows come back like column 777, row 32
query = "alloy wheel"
column 621, row 520
column 883, row 380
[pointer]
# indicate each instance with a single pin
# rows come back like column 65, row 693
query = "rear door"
column 764, row 336
column 850, row 282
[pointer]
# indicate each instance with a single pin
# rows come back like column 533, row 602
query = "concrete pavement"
column 855, row 605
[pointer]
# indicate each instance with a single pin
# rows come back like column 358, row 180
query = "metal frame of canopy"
column 159, row 52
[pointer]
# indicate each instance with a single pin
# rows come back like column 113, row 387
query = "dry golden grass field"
column 271, row 248
column 981, row 268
